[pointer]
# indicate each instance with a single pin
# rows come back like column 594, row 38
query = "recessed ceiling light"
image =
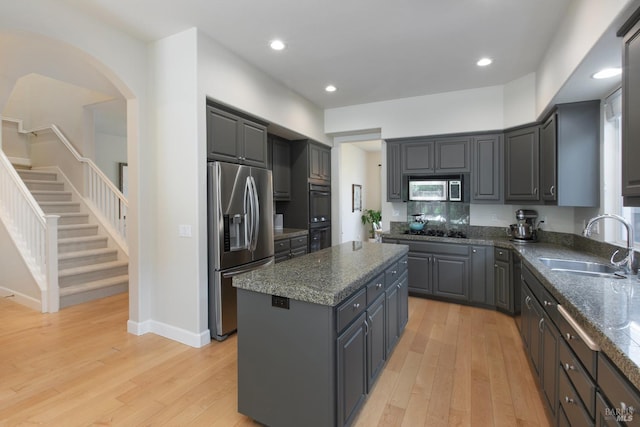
column 331, row 88
column 607, row 72
column 277, row 44
column 483, row 62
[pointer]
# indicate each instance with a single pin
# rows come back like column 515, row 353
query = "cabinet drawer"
column 571, row 403
column 624, row 399
column 281, row 245
column 375, row 288
column 349, row 310
column 298, row 252
column 587, row 356
column 501, row 254
column 579, row 378
column 298, row 242
column 391, row 274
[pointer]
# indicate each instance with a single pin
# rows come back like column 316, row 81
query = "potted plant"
column 372, row 217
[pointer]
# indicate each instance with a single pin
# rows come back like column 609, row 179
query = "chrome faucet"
column 629, row 261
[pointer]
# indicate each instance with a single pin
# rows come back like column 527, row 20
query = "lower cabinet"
column 503, row 284
column 451, row 277
column 290, row 248
column 482, row 289
column 376, row 346
column 352, row 370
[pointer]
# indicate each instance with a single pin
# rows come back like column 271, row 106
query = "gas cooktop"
column 456, row 234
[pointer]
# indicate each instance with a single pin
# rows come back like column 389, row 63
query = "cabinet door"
column 452, row 155
column 417, row 157
column 253, row 144
column 326, row 164
column 550, row 364
column 222, row 135
column 604, row 415
column 526, row 319
column 451, row 277
column 548, row 159
column 394, row 172
column 376, row 349
column 521, row 149
column 502, row 276
column 403, row 303
column 482, row 290
column 392, row 318
column 319, row 163
column 486, row 173
column 280, row 164
column 352, row 372
column 419, row 267
column 535, row 343
column 630, row 113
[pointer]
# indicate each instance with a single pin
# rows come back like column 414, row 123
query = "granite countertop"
column 607, row 309
column 326, row 277
column 288, row 233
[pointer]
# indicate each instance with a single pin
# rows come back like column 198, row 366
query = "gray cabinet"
column 521, row 151
column 293, row 247
column 452, row 155
column 235, row 139
column 570, row 155
column 503, row 284
column 279, row 162
column 419, row 281
column 487, row 169
column 451, row 276
column 352, row 372
column 616, row 389
column 417, row 157
column 394, row 172
column 376, row 346
column 549, row 376
column 548, row 160
column 482, row 276
column 319, row 162
column 630, row 112
column 604, row 417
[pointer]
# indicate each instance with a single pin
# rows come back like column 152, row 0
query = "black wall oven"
column 319, row 217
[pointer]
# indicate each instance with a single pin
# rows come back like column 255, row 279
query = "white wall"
column 519, row 101
column 110, row 150
column 40, row 101
column 353, row 170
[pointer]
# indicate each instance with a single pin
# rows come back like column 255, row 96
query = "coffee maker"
column 525, row 229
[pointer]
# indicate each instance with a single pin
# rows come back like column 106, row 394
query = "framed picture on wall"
column 356, row 193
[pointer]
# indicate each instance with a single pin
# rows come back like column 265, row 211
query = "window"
column 614, row 232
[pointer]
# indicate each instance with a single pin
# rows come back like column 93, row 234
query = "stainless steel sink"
column 584, row 268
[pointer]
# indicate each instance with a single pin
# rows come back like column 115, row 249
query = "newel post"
column 51, row 256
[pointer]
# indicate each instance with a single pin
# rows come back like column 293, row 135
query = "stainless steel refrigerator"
column 240, row 232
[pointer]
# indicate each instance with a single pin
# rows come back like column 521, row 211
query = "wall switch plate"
column 184, row 230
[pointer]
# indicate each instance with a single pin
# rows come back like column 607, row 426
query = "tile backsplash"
column 441, row 215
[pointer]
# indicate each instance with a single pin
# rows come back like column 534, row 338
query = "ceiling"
column 372, row 50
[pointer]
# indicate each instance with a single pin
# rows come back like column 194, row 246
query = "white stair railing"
column 105, row 199
column 34, row 233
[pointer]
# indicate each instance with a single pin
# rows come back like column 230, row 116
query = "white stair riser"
column 73, row 219
column 81, row 297
column 82, row 261
column 58, row 196
column 78, row 232
column 45, row 186
column 82, row 246
column 90, row 276
column 35, row 175
column 55, row 208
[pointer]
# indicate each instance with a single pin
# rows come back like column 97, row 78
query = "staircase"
column 89, row 265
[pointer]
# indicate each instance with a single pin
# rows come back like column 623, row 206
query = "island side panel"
column 286, row 362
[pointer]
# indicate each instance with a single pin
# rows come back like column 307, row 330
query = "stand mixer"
column 525, row 230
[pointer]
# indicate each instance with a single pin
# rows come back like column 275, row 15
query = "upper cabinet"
column 631, row 112
column 280, row 160
column 234, row 138
column 319, row 162
column 487, row 170
column 521, row 151
column 570, row 155
column 439, row 156
column 394, row 172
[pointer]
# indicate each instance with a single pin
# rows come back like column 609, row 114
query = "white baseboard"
column 21, row 299
column 171, row 332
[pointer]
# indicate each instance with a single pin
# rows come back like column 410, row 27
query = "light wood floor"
column 454, row 365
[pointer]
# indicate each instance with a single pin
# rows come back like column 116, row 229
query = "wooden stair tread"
column 96, row 284
column 91, row 268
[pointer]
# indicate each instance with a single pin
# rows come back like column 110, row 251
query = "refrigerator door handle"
column 247, row 268
column 256, row 214
column 248, row 208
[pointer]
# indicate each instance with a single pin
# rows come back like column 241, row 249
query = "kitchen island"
column 315, row 332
